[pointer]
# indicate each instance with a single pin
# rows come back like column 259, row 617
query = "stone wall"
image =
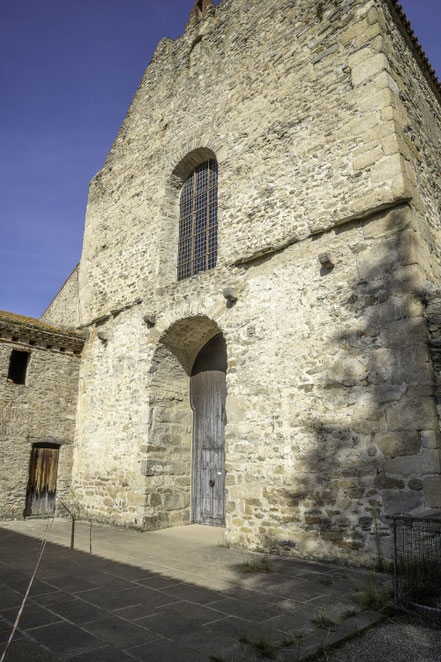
column 64, row 310
column 417, row 117
column 292, row 108
column 41, row 410
column 331, row 416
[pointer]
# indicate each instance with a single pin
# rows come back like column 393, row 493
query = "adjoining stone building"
column 284, row 376
column 39, row 367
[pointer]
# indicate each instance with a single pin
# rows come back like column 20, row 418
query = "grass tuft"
column 323, row 621
column 373, row 596
column 257, row 565
column 350, row 612
column 265, row 647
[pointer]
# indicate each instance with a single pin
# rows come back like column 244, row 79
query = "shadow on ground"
column 180, row 596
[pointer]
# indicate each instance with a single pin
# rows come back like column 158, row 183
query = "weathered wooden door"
column 208, row 394
column 42, row 486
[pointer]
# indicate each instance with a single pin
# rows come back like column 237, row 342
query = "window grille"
column 198, row 221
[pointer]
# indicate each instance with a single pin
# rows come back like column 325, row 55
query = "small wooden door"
column 208, row 394
column 42, row 486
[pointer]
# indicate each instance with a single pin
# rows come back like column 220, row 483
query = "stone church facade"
column 284, row 380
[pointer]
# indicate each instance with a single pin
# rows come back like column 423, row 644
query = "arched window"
column 198, row 221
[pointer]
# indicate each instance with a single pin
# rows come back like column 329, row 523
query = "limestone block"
column 355, row 29
column 368, row 69
column 376, row 99
column 157, row 521
column 384, row 482
column 375, row 260
column 413, row 250
column 387, row 168
column 405, row 332
column 426, row 462
column 175, row 501
column 365, row 125
column 361, row 56
column 136, row 499
column 369, row 158
column 432, row 491
column 401, row 502
column 430, row 438
column 157, row 467
column 412, row 416
column 395, row 444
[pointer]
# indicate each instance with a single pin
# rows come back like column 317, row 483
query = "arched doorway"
column 207, row 395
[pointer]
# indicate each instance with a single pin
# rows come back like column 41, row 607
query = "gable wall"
column 331, row 415
column 63, row 311
column 278, row 92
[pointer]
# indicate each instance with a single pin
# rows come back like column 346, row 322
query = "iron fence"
column 417, row 563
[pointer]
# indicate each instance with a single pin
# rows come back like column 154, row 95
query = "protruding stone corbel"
column 104, row 336
column 325, row 260
column 230, row 295
column 150, row 320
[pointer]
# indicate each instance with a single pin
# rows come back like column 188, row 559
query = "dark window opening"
column 18, row 364
column 198, row 221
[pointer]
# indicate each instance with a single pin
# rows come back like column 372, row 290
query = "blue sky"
column 68, row 71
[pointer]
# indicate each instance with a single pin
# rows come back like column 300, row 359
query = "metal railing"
column 417, row 563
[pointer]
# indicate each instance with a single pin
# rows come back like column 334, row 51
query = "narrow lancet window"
column 198, row 221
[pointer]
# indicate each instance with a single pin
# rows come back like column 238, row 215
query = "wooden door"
column 208, row 394
column 42, row 486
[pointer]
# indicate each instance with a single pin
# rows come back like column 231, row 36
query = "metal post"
column 395, row 564
column 72, row 533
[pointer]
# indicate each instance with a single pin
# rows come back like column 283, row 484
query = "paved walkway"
column 166, row 596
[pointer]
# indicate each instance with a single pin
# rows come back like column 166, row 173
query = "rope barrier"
column 42, row 548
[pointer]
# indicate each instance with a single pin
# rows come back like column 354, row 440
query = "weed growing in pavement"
column 350, row 612
column 265, row 647
column 370, row 595
column 262, row 564
column 323, row 621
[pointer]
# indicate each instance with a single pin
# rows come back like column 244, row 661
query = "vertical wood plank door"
column 42, row 486
column 208, row 395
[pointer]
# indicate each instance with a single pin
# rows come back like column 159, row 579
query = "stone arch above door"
column 167, row 465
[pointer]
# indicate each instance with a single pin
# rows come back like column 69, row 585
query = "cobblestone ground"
column 172, row 595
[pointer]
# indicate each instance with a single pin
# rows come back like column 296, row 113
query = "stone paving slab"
column 166, row 595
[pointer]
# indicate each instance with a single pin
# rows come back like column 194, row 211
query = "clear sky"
column 68, row 71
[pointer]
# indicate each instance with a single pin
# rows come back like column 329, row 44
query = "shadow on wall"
column 372, row 448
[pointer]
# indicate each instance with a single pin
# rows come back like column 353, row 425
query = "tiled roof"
column 418, row 49
column 31, row 323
